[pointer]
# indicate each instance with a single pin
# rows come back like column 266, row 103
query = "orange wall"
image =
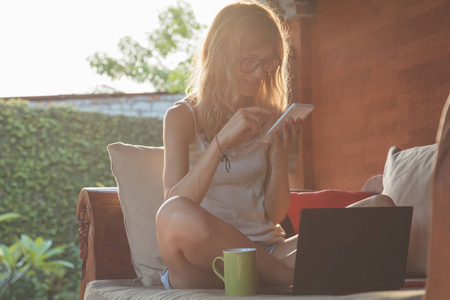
column 378, row 73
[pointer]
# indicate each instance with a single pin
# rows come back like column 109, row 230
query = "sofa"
column 121, row 258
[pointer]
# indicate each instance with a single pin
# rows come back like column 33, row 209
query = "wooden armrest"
column 104, row 246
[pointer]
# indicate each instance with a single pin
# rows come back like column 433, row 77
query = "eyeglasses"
column 249, row 65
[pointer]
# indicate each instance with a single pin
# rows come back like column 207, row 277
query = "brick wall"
column 143, row 105
column 378, row 73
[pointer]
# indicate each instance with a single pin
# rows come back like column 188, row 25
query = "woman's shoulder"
column 184, row 107
column 178, row 111
column 180, row 120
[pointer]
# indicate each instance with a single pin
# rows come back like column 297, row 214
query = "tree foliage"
column 164, row 62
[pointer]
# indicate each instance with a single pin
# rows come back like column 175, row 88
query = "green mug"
column 240, row 273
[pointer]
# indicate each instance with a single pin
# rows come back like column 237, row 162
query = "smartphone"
column 295, row 110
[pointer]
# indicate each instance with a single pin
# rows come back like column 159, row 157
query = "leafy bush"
column 28, row 256
column 47, row 157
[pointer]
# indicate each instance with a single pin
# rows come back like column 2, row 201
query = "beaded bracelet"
column 223, row 156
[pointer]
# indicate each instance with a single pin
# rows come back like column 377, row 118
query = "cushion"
column 321, row 199
column 114, row 289
column 407, row 180
column 138, row 174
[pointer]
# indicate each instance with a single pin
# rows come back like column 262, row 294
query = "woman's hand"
column 283, row 143
column 245, row 123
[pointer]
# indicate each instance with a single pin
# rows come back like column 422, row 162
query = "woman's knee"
column 171, row 207
column 172, row 212
column 182, row 217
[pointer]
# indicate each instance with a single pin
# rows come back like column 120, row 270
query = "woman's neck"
column 244, row 102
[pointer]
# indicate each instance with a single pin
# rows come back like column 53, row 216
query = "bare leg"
column 190, row 238
column 374, row 201
column 286, row 251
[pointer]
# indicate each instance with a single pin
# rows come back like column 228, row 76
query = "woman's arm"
column 179, row 132
column 278, row 198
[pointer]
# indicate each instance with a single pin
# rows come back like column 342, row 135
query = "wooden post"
column 438, row 287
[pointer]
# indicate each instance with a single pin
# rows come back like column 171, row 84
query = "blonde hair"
column 212, row 88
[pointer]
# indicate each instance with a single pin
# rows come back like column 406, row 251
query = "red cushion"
column 321, row 199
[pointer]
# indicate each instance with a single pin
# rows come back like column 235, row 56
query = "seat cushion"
column 138, row 173
column 130, row 290
column 407, row 180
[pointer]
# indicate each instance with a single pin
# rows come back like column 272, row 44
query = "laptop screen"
column 350, row 250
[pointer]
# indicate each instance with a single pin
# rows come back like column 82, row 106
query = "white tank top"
column 237, row 197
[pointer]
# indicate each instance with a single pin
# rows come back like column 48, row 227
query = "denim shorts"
column 165, row 273
column 165, row 279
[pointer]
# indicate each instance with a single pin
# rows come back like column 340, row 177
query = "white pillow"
column 138, row 173
column 407, row 180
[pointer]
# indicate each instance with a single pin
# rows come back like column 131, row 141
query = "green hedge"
column 48, row 155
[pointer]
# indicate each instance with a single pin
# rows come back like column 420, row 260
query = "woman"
column 223, row 187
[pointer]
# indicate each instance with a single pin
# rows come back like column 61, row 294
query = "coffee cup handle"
column 214, row 267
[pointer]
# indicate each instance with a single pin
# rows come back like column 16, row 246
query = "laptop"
column 351, row 250
column 344, row 251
